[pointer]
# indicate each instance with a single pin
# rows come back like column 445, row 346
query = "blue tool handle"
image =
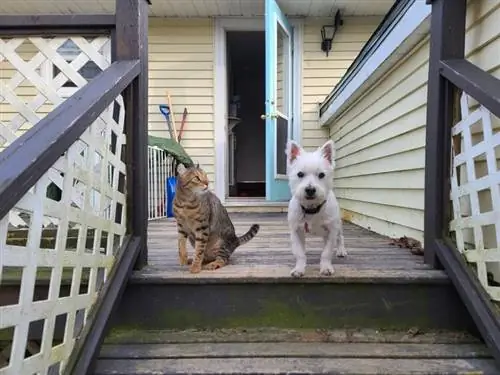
column 164, row 109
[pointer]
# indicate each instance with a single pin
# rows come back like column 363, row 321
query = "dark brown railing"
column 449, row 75
column 29, row 157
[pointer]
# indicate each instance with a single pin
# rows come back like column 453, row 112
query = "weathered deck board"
column 268, row 255
column 298, row 351
column 275, row 366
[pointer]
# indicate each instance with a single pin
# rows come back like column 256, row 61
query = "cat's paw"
column 297, row 272
column 195, row 268
column 341, row 252
column 215, row 265
column 184, row 261
column 326, row 269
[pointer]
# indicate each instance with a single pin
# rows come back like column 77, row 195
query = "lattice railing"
column 37, row 74
column 475, row 192
column 59, row 243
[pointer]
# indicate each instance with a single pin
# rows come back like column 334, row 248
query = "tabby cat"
column 203, row 220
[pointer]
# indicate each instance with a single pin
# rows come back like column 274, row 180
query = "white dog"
column 313, row 208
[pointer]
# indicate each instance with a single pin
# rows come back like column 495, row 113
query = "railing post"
column 447, row 42
column 130, row 43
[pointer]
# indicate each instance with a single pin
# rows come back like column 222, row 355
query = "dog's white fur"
column 314, row 170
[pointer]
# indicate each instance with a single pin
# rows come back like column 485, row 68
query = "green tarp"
column 172, row 147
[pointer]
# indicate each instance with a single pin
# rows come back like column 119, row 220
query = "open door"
column 278, row 100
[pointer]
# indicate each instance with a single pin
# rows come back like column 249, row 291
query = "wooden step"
column 378, row 285
column 254, row 205
column 375, row 301
column 272, row 351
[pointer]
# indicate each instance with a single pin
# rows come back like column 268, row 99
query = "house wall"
column 182, row 57
column 320, row 73
column 181, row 61
column 380, row 139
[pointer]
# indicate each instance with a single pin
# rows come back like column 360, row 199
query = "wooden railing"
column 73, row 182
column 462, row 233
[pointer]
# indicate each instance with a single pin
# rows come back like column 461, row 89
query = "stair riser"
column 292, row 305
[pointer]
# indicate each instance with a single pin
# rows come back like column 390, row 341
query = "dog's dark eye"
column 321, row 175
column 300, row 174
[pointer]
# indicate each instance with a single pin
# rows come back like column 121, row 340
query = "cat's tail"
column 248, row 235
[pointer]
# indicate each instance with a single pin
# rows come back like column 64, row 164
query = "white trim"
column 288, row 96
column 221, row 25
column 415, row 16
column 298, row 36
column 220, row 110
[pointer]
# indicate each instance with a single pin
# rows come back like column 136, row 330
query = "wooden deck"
column 268, row 255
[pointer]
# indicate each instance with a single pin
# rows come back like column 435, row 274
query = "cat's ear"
column 328, row 152
column 293, row 150
column 181, row 169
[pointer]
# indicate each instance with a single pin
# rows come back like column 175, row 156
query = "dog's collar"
column 312, row 211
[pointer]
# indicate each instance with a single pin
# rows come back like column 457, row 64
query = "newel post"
column 130, row 42
column 447, row 42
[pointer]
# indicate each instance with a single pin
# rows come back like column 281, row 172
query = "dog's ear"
column 293, row 150
column 181, row 169
column 327, row 151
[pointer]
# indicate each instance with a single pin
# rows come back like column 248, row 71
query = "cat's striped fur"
column 203, row 220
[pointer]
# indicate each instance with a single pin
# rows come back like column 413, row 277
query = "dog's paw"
column 341, row 252
column 326, row 269
column 297, row 272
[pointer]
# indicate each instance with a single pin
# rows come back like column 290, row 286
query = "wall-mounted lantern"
column 328, row 32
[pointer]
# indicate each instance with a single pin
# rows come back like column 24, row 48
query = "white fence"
column 57, row 248
column 475, row 191
column 160, row 167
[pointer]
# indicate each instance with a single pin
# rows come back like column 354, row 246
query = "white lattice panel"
column 475, row 193
column 68, row 240
column 37, row 74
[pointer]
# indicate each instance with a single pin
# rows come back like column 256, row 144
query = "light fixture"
column 328, row 32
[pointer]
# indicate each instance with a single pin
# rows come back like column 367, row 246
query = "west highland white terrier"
column 313, row 208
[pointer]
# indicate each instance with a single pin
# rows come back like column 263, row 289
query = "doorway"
column 246, row 104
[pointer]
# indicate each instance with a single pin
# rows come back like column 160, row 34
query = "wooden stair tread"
column 272, row 273
column 233, row 351
column 293, row 350
column 310, row 366
column 289, row 335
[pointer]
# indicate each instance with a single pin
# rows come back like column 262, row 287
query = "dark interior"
column 246, row 80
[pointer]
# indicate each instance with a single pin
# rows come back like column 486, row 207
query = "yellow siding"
column 181, row 61
column 380, row 139
column 320, row 73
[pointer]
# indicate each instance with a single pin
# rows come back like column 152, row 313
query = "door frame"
column 221, row 26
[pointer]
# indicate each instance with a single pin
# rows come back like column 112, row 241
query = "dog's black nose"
column 310, row 191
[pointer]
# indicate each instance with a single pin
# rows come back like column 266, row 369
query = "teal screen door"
column 279, row 100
